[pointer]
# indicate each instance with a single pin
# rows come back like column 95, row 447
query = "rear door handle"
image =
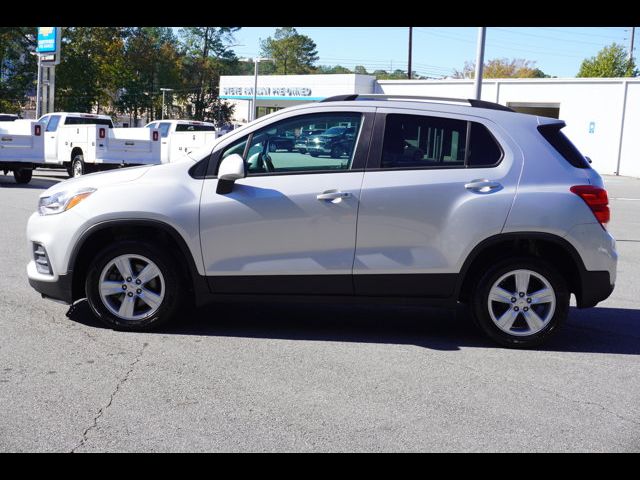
column 483, row 186
column 332, row 195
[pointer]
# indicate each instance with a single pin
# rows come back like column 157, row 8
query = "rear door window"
column 420, row 141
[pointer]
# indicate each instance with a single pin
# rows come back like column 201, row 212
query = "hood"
column 97, row 180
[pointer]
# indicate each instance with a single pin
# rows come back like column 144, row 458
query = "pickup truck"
column 21, row 148
column 182, row 136
column 83, row 143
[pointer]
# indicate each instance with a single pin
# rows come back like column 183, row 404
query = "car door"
column 51, row 140
column 290, row 225
column 436, row 185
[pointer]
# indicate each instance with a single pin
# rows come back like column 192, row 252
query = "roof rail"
column 377, row 96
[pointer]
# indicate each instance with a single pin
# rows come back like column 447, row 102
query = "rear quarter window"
column 561, row 143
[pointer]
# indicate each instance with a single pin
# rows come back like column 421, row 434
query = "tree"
column 151, row 61
column 208, row 55
column 502, row 68
column 293, row 53
column 18, row 68
column 91, row 66
column 325, row 69
column 611, row 61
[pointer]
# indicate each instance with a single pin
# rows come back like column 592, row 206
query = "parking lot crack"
column 101, row 412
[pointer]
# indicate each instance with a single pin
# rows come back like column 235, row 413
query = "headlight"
column 61, row 201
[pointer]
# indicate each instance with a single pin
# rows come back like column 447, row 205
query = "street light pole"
column 479, row 62
column 255, row 90
column 252, row 114
column 163, row 92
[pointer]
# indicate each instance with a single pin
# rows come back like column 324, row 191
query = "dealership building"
column 602, row 114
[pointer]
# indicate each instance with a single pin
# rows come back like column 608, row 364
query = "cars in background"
column 282, row 142
column 335, row 141
column 301, row 141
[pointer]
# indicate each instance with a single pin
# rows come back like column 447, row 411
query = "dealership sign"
column 266, row 92
column 48, row 39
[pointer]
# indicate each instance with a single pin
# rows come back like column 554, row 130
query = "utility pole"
column 633, row 32
column 479, row 62
column 410, row 42
column 164, row 90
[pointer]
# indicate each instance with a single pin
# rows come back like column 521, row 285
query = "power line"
column 547, row 37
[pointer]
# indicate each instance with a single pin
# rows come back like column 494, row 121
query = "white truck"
column 182, row 136
column 82, row 143
column 21, row 148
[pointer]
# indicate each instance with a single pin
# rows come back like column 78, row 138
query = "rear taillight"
column 155, row 136
column 38, row 130
column 597, row 200
column 102, row 133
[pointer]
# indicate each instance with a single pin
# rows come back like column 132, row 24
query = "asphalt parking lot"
column 244, row 377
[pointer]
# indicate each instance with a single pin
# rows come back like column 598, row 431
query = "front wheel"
column 520, row 302
column 134, row 286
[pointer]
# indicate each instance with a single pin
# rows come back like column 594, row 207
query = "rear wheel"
column 23, row 175
column 520, row 302
column 134, row 286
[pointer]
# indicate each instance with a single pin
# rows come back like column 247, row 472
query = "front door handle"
column 334, row 196
column 483, row 186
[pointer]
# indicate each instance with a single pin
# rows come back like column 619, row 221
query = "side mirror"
column 230, row 170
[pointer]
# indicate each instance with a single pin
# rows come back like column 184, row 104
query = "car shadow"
column 596, row 330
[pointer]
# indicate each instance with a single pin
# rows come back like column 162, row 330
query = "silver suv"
column 437, row 201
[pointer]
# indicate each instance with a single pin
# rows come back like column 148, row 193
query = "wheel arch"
column 550, row 247
column 102, row 234
column 75, row 151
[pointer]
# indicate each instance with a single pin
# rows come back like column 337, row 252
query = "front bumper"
column 57, row 288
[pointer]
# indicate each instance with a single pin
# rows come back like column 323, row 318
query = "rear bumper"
column 594, row 287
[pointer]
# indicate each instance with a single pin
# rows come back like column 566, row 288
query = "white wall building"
column 602, row 114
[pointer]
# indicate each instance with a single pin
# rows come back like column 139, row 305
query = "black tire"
column 313, row 154
column 336, row 151
column 78, row 167
column 23, row 175
column 517, row 335
column 173, row 286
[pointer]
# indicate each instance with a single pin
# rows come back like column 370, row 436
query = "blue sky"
column 557, row 51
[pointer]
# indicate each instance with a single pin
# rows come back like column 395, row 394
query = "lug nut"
column 521, row 294
column 138, row 291
column 526, row 309
column 129, row 279
column 130, row 294
column 138, row 282
column 515, row 309
column 528, row 300
column 513, row 299
column 124, row 287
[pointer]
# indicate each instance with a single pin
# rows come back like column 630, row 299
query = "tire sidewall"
column 172, row 283
column 77, row 159
column 480, row 307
